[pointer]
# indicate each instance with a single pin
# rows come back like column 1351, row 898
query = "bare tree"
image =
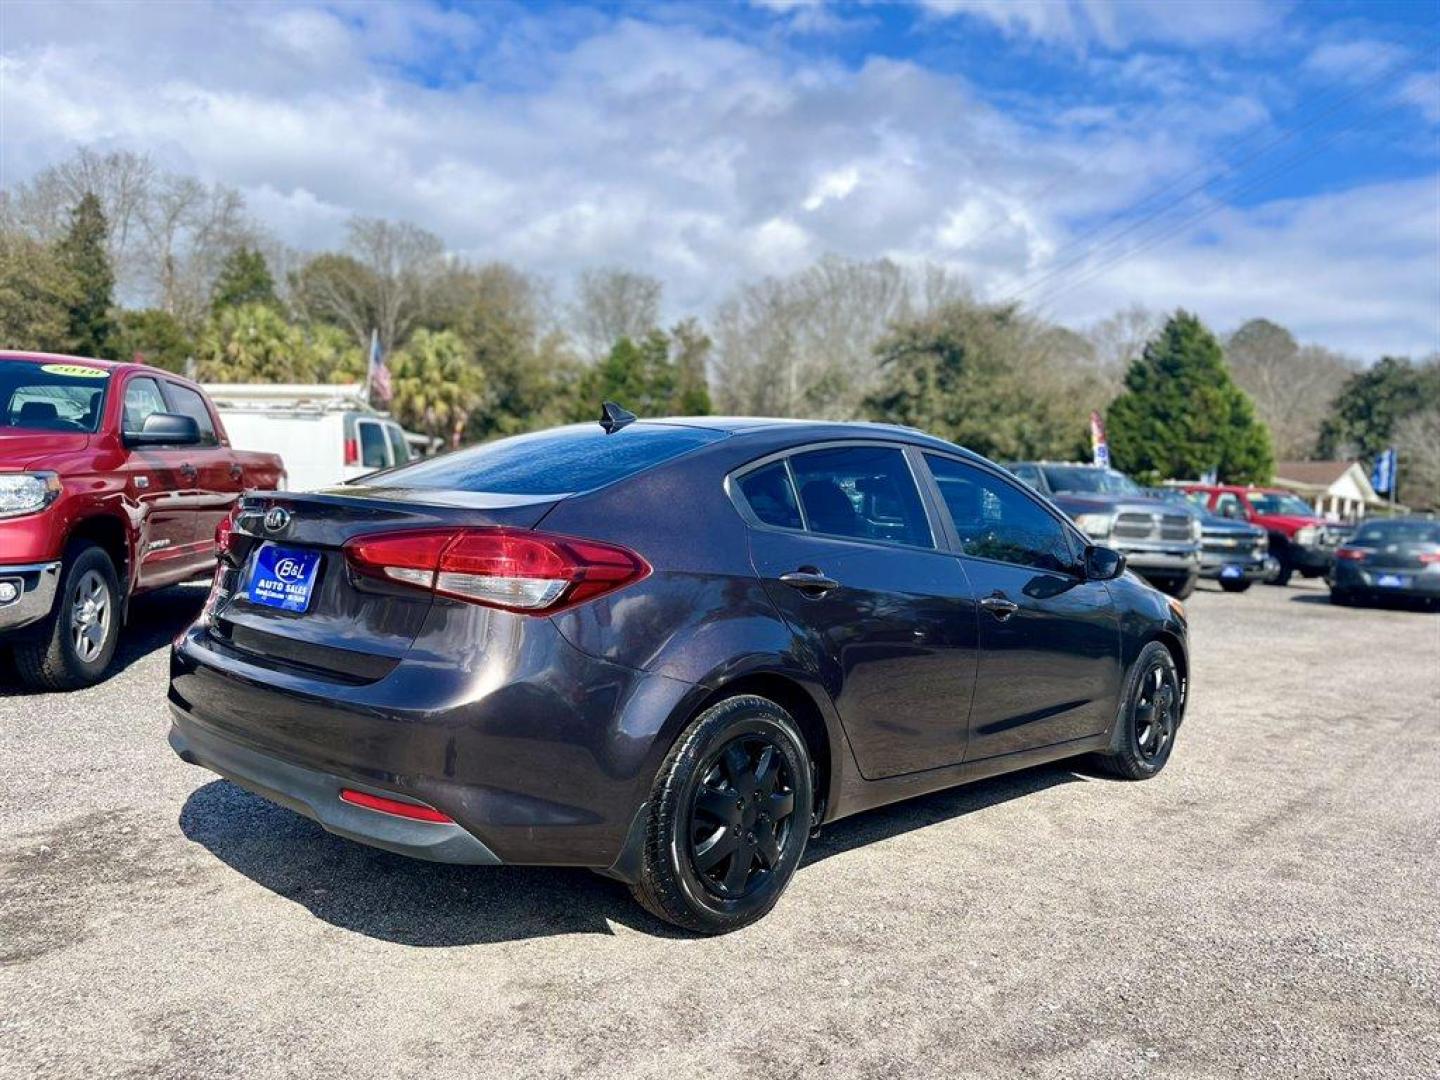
column 1417, row 438
column 805, row 345
column 1292, row 387
column 611, row 304
column 382, row 283
column 1118, row 341
column 190, row 228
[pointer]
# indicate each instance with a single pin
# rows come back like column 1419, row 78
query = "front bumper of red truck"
column 27, row 593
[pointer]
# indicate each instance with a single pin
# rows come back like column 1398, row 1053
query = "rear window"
column 1398, row 532
column 52, row 397
column 556, row 462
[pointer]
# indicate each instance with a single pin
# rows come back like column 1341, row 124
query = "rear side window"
column 771, row 498
column 864, row 492
column 561, row 461
column 187, row 402
column 998, row 521
column 372, row 445
column 399, row 448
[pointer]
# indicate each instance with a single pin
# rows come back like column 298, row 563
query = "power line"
column 1204, row 212
column 1054, row 269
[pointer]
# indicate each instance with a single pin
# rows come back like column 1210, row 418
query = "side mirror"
column 165, row 429
column 1103, row 563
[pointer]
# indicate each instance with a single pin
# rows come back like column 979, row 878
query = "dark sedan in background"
column 665, row 650
column 1397, row 558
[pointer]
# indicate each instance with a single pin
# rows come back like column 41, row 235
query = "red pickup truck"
column 1300, row 540
column 113, row 478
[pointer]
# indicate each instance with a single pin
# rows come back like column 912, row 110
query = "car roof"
column 811, row 430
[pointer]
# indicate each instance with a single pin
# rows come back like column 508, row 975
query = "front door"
column 1049, row 667
column 886, row 618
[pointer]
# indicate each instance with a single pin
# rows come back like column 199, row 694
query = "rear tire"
column 1150, row 714
column 77, row 642
column 729, row 817
column 1234, row 586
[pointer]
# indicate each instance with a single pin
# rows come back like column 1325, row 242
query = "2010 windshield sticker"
column 79, row 371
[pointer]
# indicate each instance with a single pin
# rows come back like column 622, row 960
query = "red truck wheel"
column 77, row 643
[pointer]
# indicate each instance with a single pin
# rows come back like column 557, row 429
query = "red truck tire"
column 74, row 646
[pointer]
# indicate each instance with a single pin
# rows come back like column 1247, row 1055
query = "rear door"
column 218, row 478
column 887, row 618
column 1049, row 668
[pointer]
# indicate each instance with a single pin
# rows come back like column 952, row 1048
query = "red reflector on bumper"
column 394, row 806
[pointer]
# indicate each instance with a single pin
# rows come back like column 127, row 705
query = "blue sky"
column 1034, row 148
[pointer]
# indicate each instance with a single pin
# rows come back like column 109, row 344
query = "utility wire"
column 1054, row 269
column 1204, row 212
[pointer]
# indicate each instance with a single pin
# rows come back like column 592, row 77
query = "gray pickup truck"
column 1161, row 542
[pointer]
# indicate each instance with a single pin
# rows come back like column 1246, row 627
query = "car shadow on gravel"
column 411, row 902
column 155, row 619
column 1379, row 603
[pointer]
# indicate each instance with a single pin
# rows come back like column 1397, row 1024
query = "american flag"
column 379, row 373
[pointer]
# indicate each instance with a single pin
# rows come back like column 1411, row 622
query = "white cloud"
column 697, row 156
column 1116, row 23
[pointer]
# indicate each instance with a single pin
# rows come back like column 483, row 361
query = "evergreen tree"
column 244, row 279
column 1373, row 402
column 1181, row 415
column 153, row 337
column 82, row 251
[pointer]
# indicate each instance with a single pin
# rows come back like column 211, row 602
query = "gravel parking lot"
column 1267, row 907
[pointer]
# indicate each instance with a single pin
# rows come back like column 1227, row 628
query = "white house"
column 1339, row 490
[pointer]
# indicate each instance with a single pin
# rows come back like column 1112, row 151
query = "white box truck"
column 325, row 434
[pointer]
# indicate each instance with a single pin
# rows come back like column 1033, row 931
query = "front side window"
column 771, row 498
column 142, row 400
column 995, row 520
column 861, row 492
column 187, row 402
column 51, row 397
column 1227, row 504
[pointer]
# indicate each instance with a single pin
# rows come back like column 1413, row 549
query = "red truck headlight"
column 27, row 492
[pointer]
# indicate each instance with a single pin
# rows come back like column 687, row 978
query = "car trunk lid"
column 347, row 627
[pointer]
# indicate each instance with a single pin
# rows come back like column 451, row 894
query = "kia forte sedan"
column 666, row 650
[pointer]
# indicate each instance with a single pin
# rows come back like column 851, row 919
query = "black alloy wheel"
column 728, row 817
column 741, row 815
column 1149, row 717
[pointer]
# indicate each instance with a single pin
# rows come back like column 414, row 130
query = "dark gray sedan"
column 666, row 650
column 1397, row 558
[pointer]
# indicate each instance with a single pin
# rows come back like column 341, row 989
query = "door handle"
column 998, row 606
column 809, row 581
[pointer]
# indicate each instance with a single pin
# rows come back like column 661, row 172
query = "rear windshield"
column 52, row 397
column 1398, row 532
column 556, row 462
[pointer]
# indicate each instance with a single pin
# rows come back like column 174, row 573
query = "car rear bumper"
column 542, row 754
column 31, row 588
column 316, row 794
column 1346, row 576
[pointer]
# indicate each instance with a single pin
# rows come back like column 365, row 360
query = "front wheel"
column 78, row 642
column 1282, row 576
column 728, row 819
column 1180, row 588
column 1149, row 716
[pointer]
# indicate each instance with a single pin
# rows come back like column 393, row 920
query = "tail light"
column 1430, row 558
column 352, row 452
column 1350, row 554
column 224, row 532
column 515, row 570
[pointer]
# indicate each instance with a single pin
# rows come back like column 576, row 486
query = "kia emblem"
column 277, row 519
